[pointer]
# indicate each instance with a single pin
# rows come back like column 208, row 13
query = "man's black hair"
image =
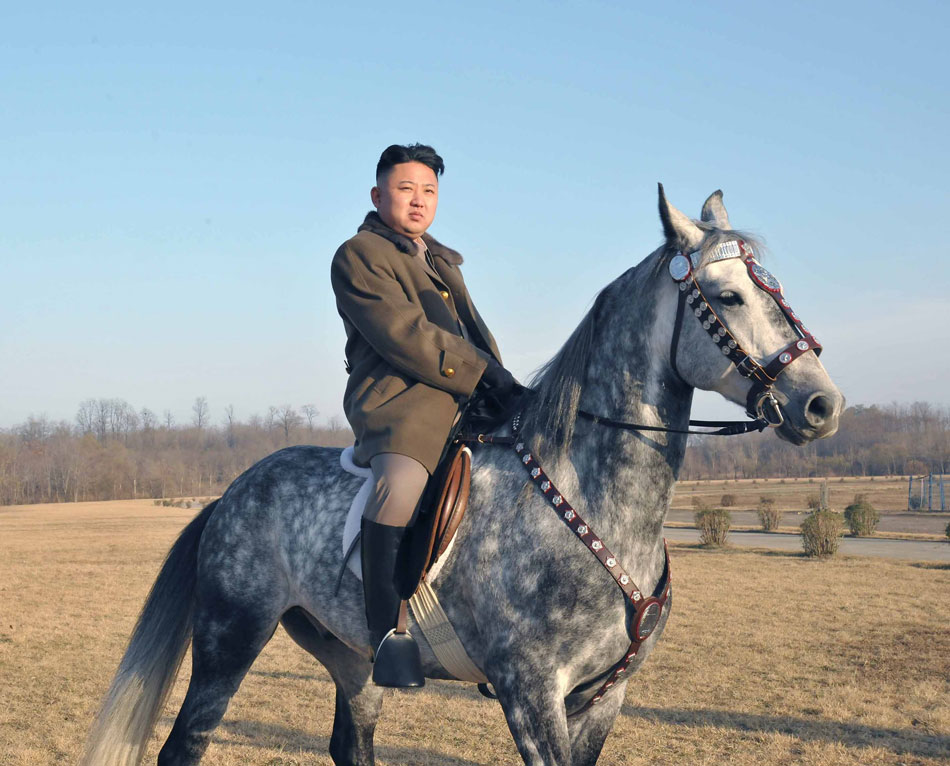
column 398, row 154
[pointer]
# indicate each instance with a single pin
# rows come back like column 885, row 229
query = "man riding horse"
column 416, row 350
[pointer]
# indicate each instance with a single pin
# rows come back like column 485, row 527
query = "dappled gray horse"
column 535, row 611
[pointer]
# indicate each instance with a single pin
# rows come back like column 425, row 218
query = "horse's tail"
column 152, row 658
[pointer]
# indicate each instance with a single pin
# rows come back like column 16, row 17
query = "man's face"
column 407, row 197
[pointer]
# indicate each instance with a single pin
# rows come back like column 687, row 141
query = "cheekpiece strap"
column 683, row 270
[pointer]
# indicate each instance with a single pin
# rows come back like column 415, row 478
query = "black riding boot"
column 396, row 659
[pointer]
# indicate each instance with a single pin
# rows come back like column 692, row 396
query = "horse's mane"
column 551, row 415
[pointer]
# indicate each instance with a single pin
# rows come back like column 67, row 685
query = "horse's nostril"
column 819, row 409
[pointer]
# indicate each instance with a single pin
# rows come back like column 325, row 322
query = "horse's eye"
column 729, row 298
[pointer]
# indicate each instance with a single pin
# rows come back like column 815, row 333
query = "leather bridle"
column 761, row 405
column 760, row 401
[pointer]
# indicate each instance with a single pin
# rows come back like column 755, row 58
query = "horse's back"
column 281, row 521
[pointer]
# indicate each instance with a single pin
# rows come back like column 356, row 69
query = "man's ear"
column 374, row 196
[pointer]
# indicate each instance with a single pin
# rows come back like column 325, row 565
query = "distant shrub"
column 713, row 525
column 915, row 503
column 861, row 516
column 781, row 481
column 700, row 503
column 948, row 530
column 813, row 502
column 156, row 502
column 769, row 516
column 821, row 532
column 727, row 500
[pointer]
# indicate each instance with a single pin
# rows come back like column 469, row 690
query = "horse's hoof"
column 397, row 663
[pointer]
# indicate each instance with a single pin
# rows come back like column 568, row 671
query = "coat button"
column 444, row 294
column 449, row 372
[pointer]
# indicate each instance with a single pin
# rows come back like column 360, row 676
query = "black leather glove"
column 497, row 380
column 497, row 398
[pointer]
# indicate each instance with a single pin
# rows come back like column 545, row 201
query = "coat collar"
column 373, row 223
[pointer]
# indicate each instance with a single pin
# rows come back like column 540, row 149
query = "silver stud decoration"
column 732, row 343
column 519, row 446
column 785, row 358
column 690, row 299
column 695, row 293
column 569, row 514
column 683, row 287
column 725, row 350
column 526, row 459
column 535, row 473
column 545, row 486
column 557, row 499
column 624, row 580
column 597, row 545
column 698, row 312
column 611, row 562
column 802, row 345
column 679, row 267
column 636, row 595
column 705, row 325
column 582, row 530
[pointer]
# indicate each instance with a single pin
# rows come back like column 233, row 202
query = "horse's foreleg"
column 535, row 712
column 358, row 703
column 589, row 729
column 225, row 645
column 358, row 699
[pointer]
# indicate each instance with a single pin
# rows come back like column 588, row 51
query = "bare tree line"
column 113, row 450
column 887, row 440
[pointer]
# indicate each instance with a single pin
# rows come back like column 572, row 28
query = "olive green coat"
column 410, row 368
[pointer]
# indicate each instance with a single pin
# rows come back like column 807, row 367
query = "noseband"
column 760, row 401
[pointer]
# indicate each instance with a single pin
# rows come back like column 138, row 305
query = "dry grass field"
column 769, row 658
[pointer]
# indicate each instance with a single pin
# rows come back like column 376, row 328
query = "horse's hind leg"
column 226, row 642
column 358, row 699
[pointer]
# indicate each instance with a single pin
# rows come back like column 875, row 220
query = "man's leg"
column 399, row 484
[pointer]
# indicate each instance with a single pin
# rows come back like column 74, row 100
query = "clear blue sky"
column 174, row 181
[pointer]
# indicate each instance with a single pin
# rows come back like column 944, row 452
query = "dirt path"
column 920, row 523
column 912, row 550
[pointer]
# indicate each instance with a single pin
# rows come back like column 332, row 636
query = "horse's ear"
column 679, row 230
column 714, row 211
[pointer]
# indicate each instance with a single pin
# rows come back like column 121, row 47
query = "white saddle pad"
column 352, row 527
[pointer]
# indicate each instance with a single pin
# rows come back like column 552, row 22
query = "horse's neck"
column 626, row 478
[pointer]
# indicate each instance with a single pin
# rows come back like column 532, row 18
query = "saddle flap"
column 444, row 503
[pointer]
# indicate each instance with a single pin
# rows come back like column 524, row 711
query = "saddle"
column 442, row 509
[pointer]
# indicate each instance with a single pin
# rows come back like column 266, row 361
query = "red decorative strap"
column 648, row 608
